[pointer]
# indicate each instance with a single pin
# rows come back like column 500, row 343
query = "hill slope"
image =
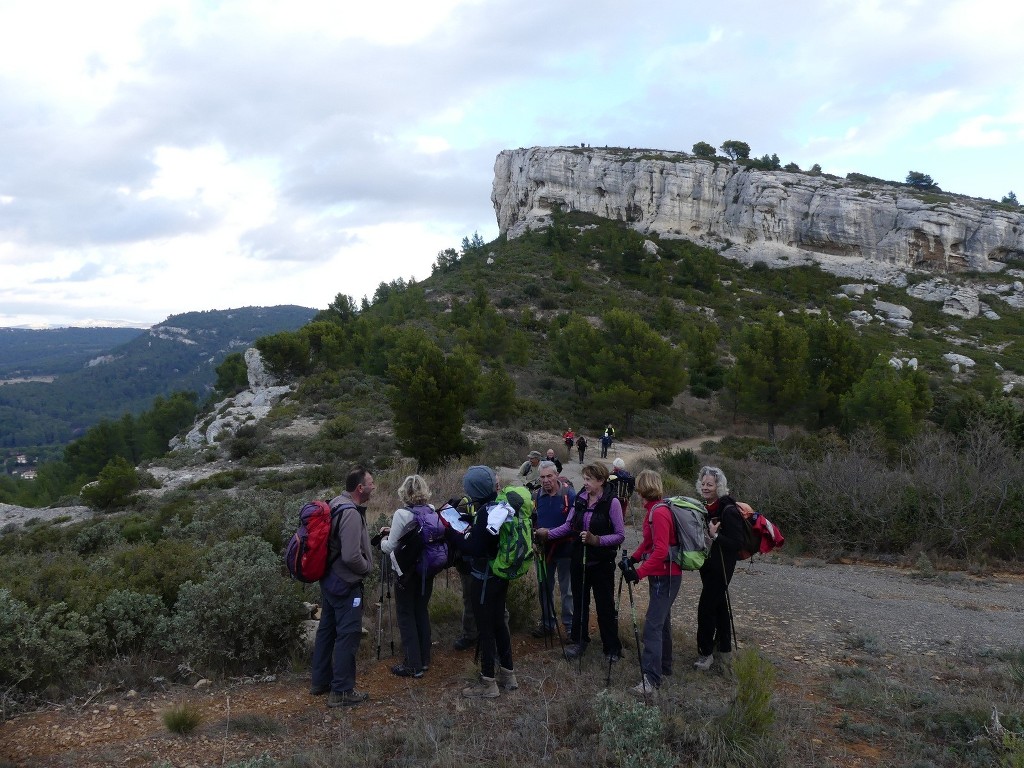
column 180, row 354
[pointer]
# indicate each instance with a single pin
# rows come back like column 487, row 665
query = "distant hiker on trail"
column 606, row 442
column 725, row 524
column 529, row 472
column 553, row 502
column 581, row 446
column 412, row 594
column 569, row 438
column 609, row 432
column 622, row 482
column 341, row 611
column 554, row 460
column 663, row 580
column 596, row 530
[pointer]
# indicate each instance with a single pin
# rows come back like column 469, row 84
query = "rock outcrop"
column 860, row 230
column 250, row 405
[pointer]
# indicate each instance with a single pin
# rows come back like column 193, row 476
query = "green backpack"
column 515, row 546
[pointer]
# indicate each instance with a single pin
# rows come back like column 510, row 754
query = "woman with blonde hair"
column 413, row 590
column 654, row 556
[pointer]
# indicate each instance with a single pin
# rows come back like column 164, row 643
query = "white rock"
column 912, row 363
column 860, row 317
column 961, row 360
column 896, row 363
column 650, row 248
column 893, row 310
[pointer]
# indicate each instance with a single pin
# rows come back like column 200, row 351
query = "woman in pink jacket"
column 663, row 580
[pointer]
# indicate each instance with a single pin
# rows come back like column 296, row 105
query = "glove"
column 630, row 575
column 632, row 561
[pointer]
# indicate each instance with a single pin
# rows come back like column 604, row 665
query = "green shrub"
column 132, row 621
column 631, row 733
column 115, row 486
column 182, row 718
column 243, row 616
column 683, row 463
column 19, row 637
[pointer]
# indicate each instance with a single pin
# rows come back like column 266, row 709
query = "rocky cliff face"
column 848, row 228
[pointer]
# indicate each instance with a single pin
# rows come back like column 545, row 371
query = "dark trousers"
column 337, row 641
column 713, row 627
column 412, row 611
column 600, row 579
column 582, row 450
column 494, row 638
column 657, row 656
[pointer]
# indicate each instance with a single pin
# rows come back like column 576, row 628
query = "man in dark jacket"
column 350, row 560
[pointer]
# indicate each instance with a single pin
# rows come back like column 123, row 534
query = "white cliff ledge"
column 849, row 228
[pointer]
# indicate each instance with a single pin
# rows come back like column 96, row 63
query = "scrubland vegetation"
column 577, row 325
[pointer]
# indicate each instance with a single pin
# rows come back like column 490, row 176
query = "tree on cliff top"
column 921, row 181
column 736, row 150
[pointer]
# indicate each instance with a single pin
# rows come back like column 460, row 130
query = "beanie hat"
column 479, row 482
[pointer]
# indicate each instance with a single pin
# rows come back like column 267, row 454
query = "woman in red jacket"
column 663, row 580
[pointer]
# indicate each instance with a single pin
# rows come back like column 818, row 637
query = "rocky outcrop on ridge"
column 873, row 231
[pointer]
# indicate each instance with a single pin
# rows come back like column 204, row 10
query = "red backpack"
column 307, row 554
column 761, row 535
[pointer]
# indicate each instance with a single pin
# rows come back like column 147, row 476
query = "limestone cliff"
column 759, row 215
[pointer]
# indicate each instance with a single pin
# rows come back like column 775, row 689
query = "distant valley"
column 57, row 383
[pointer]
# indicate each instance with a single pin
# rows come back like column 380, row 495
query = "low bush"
column 182, row 718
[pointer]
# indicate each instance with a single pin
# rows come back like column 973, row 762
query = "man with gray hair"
column 552, row 502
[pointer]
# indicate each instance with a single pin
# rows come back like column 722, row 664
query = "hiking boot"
column 319, row 690
column 541, row 631
column 507, row 679
column 403, row 671
column 703, row 663
column 463, row 643
column 574, row 651
column 486, row 688
column 613, row 657
column 347, row 698
column 645, row 688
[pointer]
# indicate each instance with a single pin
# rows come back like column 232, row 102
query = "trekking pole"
column 584, row 609
column 391, row 615
column 618, row 604
column 380, row 605
column 728, row 600
column 542, row 578
column 636, row 635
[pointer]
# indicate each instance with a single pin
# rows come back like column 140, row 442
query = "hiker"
column 341, row 612
column 595, row 530
column 569, row 438
column 623, row 484
column 663, row 580
column 488, row 591
column 581, row 446
column 412, row 593
column 725, row 526
column 606, row 443
column 529, row 472
column 554, row 460
column 553, row 502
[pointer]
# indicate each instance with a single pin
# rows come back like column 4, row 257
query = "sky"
column 160, row 157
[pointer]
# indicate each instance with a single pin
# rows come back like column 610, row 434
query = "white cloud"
column 180, row 154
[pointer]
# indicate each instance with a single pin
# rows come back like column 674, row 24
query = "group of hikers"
column 571, row 439
column 576, row 537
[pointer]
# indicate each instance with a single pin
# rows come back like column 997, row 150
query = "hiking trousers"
column 714, row 631
column 494, row 639
column 337, row 640
column 558, row 568
column 412, row 611
column 600, row 579
column 656, row 659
